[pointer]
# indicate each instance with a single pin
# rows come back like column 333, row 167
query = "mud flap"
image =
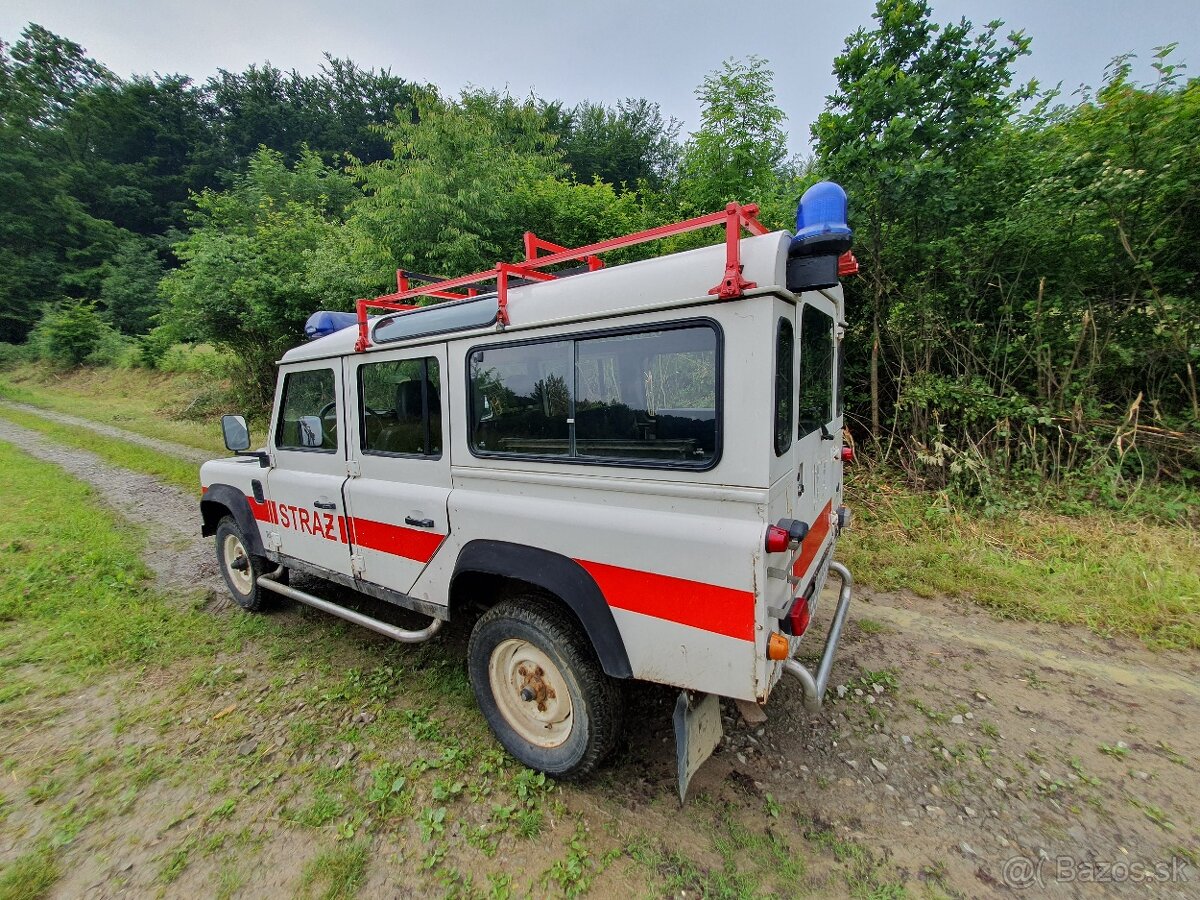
column 697, row 733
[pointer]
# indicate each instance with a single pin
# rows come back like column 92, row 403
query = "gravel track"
column 954, row 742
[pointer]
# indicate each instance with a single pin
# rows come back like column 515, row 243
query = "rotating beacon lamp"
column 822, row 235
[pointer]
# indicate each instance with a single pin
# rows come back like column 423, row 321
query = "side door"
column 398, row 499
column 308, row 442
column 818, row 428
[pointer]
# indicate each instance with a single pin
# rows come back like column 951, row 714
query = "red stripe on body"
column 813, row 541
column 396, row 540
column 264, row 512
column 696, row 604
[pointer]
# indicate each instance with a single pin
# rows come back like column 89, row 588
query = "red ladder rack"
column 734, row 217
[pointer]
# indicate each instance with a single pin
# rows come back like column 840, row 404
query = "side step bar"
column 403, row 635
column 814, row 686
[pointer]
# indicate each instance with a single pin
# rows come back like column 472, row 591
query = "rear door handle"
column 324, row 504
column 418, row 523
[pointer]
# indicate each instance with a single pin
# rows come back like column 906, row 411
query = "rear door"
column 818, row 430
column 398, row 499
column 305, row 484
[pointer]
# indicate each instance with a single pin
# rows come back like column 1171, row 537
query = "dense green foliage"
column 1027, row 302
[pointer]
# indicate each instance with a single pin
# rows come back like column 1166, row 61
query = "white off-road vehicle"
column 618, row 472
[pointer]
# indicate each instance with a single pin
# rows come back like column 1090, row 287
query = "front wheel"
column 541, row 688
column 239, row 568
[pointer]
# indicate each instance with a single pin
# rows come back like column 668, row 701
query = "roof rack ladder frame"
column 734, row 217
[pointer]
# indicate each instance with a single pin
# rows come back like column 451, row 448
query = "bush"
column 73, row 333
column 12, row 355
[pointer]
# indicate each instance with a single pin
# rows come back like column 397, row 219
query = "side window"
column 785, row 362
column 400, row 407
column 308, row 415
column 815, row 407
column 521, row 399
column 649, row 396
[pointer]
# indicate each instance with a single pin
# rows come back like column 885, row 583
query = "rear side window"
column 308, row 415
column 400, row 407
column 785, row 364
column 815, row 407
column 642, row 397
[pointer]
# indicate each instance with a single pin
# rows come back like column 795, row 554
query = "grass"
column 179, row 407
column 29, row 876
column 73, row 585
column 336, row 874
column 1113, row 575
column 170, row 469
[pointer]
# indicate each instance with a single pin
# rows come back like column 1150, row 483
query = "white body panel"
column 677, row 552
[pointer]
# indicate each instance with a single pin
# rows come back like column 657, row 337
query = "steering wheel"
column 328, row 417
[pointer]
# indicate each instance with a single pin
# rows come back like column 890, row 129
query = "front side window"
column 646, row 397
column 815, row 407
column 400, row 407
column 308, row 414
column 785, row 362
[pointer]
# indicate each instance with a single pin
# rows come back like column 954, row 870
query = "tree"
column 49, row 245
column 916, row 106
column 129, row 292
column 740, row 151
column 626, row 146
column 244, row 281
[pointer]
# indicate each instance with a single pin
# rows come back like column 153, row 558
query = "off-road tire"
column 243, row 584
column 541, row 629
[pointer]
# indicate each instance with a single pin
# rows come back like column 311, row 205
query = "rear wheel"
column 541, row 688
column 239, row 568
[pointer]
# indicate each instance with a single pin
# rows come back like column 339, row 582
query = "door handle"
column 324, row 504
column 418, row 523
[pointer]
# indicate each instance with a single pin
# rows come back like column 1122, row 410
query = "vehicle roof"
column 676, row 279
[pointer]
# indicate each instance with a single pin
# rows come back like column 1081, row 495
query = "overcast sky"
column 583, row 49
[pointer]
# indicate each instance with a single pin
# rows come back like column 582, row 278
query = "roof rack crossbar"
column 735, row 217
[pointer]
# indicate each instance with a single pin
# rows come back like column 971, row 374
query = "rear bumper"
column 813, row 685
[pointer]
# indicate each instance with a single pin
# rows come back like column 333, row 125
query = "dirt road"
column 959, row 755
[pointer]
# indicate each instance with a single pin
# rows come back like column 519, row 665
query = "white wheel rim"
column 530, row 693
column 241, row 579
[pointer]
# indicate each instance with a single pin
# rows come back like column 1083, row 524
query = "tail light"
column 777, row 539
column 847, row 454
column 799, row 617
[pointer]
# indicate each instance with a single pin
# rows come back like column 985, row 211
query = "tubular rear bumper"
column 814, row 685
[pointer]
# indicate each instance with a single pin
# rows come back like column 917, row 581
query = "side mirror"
column 236, row 433
column 311, row 432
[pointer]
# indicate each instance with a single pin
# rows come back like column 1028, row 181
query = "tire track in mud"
column 191, row 454
column 179, row 556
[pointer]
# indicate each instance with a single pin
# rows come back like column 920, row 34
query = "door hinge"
column 357, row 565
column 353, row 469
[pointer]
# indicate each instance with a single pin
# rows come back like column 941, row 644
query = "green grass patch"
column 336, row 874
column 1114, row 575
column 73, row 587
column 181, row 407
column 29, row 877
column 170, row 469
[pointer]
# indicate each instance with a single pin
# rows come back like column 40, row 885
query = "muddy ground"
column 964, row 755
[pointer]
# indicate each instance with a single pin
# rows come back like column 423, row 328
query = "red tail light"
column 777, row 539
column 799, row 616
column 847, row 454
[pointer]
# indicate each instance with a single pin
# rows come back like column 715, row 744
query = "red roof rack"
column 734, row 217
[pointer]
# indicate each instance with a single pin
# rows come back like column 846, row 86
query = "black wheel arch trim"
column 226, row 496
column 561, row 576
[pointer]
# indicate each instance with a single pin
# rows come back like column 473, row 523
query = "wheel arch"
column 221, row 500
column 555, row 574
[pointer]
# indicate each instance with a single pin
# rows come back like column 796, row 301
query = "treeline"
column 1027, row 301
